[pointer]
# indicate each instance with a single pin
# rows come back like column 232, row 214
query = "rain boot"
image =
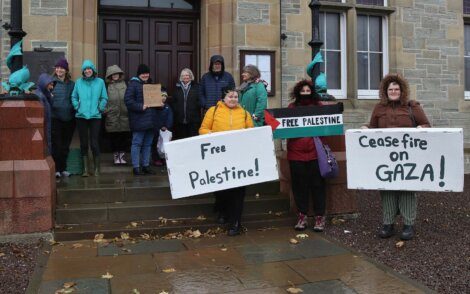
column 85, row 166
column 96, row 161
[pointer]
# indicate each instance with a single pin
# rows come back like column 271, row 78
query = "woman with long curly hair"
column 395, row 110
column 305, row 173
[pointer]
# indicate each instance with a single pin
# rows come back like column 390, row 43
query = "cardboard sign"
column 309, row 121
column 153, row 95
column 427, row 159
column 220, row 161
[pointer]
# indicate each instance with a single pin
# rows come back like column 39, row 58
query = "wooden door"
column 166, row 44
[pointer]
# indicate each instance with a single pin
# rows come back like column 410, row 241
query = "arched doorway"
column 160, row 33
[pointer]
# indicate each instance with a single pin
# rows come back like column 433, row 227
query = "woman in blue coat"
column 89, row 98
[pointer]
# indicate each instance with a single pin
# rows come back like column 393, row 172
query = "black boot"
column 407, row 233
column 147, row 170
column 234, row 229
column 137, row 172
column 386, row 231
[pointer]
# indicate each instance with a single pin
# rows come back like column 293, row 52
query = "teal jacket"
column 254, row 99
column 89, row 97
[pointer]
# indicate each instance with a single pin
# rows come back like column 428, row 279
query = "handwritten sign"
column 428, row 159
column 220, row 161
column 153, row 95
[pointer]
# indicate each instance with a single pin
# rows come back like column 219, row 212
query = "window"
column 372, row 54
column 264, row 60
column 373, row 2
column 333, row 32
column 467, row 61
column 466, row 6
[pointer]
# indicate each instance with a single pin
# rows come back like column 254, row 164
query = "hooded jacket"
column 45, row 97
column 139, row 119
column 254, row 98
column 117, row 119
column 210, row 90
column 62, row 108
column 89, row 97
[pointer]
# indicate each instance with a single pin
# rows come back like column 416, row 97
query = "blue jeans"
column 141, row 147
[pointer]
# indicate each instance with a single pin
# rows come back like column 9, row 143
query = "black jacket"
column 189, row 109
column 139, row 119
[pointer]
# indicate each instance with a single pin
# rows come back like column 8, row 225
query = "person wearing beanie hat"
column 213, row 81
column 141, row 122
column 253, row 94
column 89, row 99
column 63, row 120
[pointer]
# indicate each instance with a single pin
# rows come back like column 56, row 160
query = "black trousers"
column 89, row 128
column 61, row 133
column 307, row 182
column 119, row 141
column 186, row 130
column 230, row 203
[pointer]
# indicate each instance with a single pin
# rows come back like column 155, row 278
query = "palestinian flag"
column 309, row 121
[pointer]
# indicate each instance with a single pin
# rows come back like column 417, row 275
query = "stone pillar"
column 27, row 183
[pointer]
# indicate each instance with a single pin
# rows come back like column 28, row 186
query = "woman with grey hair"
column 186, row 106
column 253, row 94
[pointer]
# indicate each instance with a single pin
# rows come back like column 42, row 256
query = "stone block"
column 27, row 215
column 33, row 178
column 6, row 179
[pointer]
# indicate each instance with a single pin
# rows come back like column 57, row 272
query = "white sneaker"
column 57, row 174
column 301, row 222
column 116, row 158
column 121, row 158
column 66, row 174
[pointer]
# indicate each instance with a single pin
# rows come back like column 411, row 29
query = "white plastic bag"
column 165, row 136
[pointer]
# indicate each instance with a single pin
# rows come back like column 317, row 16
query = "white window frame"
column 374, row 94
column 466, row 93
column 342, row 92
column 385, row 2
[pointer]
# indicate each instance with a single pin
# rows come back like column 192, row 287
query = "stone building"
column 428, row 41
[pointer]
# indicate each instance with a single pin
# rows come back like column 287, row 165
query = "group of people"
column 212, row 105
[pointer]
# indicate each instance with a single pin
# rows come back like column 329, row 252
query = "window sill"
column 375, row 9
column 467, row 96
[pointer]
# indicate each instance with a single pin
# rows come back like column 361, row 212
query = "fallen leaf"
column 99, row 238
column 293, row 290
column 163, row 292
column 107, row 276
column 124, row 236
column 347, row 232
column 77, row 245
column 201, row 218
column 257, row 195
column 400, row 244
column 47, row 252
column 135, row 291
column 337, row 221
column 68, row 285
column 126, row 250
column 223, row 249
column 55, row 243
column 301, row 236
column 145, row 236
column 196, row 234
column 270, row 212
column 279, row 213
column 134, row 225
column 293, row 241
column 168, row 270
column 2, row 254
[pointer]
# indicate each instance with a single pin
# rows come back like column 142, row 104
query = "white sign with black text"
column 426, row 159
column 220, row 161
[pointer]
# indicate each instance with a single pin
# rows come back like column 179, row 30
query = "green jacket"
column 117, row 119
column 254, row 99
column 89, row 96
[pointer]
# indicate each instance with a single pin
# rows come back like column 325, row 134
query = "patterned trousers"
column 404, row 202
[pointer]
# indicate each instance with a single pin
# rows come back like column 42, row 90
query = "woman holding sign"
column 395, row 110
column 228, row 115
column 303, row 163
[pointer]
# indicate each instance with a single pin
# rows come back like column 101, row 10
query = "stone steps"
column 108, row 203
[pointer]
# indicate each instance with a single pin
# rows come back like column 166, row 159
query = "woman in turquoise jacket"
column 253, row 94
column 89, row 100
